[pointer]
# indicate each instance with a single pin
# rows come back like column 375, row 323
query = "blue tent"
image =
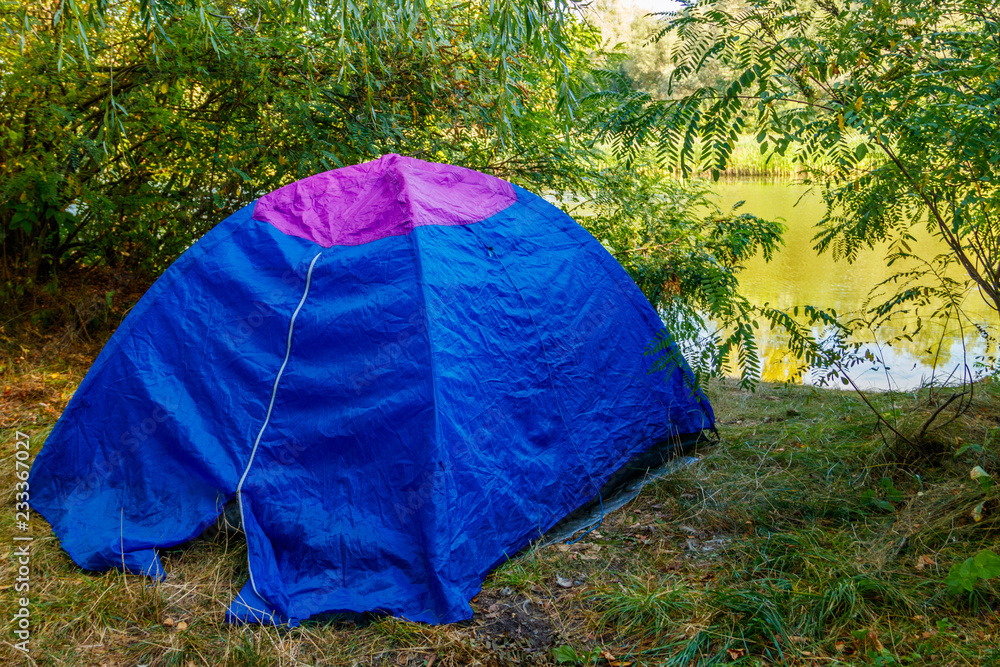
column 403, row 371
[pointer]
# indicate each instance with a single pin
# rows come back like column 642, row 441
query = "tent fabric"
column 404, row 372
column 382, row 202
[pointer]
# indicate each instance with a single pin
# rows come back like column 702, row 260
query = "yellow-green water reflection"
column 798, row 276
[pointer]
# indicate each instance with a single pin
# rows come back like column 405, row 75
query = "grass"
column 800, row 539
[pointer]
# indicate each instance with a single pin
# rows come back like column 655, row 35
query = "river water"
column 799, row 276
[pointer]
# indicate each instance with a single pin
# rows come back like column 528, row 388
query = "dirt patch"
column 33, row 400
column 513, row 628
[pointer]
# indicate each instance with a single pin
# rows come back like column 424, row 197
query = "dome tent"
column 403, row 371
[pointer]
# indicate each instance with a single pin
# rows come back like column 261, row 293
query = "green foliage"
column 884, row 500
column 686, row 256
column 890, row 105
column 641, row 54
column 963, row 576
column 983, row 478
column 349, row 28
column 567, row 655
column 130, row 128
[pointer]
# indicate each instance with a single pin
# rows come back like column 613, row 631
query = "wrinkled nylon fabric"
column 385, row 197
column 450, row 393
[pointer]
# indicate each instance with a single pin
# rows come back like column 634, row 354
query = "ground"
column 803, row 537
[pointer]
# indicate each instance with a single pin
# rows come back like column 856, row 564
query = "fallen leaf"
column 736, row 653
column 924, row 561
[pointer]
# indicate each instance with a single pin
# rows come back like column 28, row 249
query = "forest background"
column 826, row 527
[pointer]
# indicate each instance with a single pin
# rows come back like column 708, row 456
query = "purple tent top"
column 386, row 197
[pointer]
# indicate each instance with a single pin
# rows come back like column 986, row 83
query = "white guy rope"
column 274, row 393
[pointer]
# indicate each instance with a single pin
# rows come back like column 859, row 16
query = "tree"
column 686, row 255
column 641, row 52
column 891, row 105
column 131, row 127
column 124, row 144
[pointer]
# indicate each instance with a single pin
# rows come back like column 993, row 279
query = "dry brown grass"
column 773, row 549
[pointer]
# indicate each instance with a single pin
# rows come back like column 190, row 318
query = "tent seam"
column 270, row 407
column 545, row 355
column 433, row 373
